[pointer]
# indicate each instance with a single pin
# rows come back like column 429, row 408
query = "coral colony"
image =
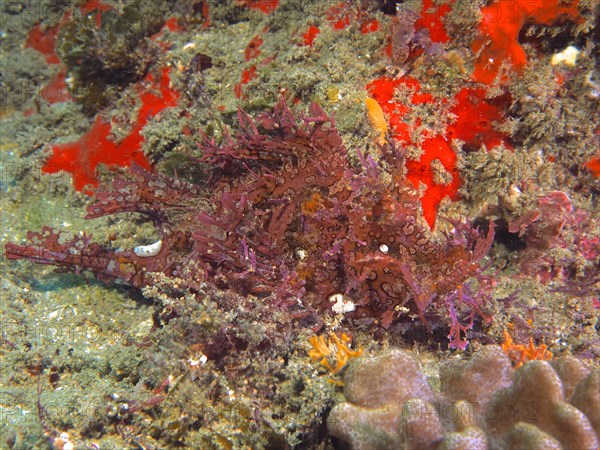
column 293, row 217
column 482, row 403
column 275, row 229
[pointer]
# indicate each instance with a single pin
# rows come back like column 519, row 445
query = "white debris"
column 195, row 363
column 341, row 305
column 301, row 254
column 63, row 442
column 148, row 250
column 568, row 56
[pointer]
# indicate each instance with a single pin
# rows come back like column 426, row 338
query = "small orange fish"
column 377, row 119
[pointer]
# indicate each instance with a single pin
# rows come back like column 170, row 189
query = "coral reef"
column 484, row 403
column 242, row 276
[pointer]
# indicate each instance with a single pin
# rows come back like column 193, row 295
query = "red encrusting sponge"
column 82, row 157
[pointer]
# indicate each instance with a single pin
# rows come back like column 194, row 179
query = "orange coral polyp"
column 336, row 348
column 520, row 353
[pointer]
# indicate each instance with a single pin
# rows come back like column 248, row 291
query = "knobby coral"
column 294, row 217
column 484, row 403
